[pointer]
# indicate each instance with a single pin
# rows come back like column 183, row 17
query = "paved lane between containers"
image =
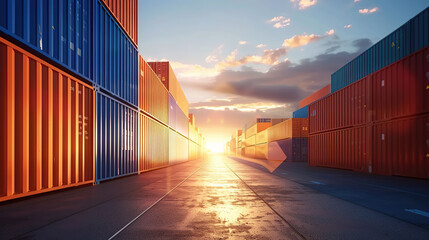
column 214, row 203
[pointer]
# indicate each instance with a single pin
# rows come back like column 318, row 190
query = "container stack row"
column 376, row 118
column 78, row 103
column 272, row 139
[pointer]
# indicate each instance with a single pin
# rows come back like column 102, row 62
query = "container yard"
column 151, row 120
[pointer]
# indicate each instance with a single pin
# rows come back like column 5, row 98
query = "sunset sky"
column 241, row 59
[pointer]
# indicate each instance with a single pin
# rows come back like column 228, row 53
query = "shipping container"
column 153, row 143
column 262, row 137
column 402, row 88
column 153, row 95
column 250, row 141
column 315, row 96
column 47, row 121
column 348, row 148
column 250, row 152
column 396, row 91
column 58, row 31
column 177, row 120
column 291, row 128
column 345, row 108
column 407, row 39
column 116, row 62
column 178, row 148
column 168, row 78
column 261, row 151
column 301, row 113
column 117, row 139
column 257, row 127
column 126, row 14
column 401, row 147
column 290, row 150
column 191, row 119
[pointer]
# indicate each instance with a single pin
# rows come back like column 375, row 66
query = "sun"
column 215, row 147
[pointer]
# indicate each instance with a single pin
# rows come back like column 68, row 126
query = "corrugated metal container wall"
column 250, row 141
column 346, row 148
column 401, row 89
column 262, row 137
column 47, row 126
column 291, row 128
column 125, row 13
column 176, row 118
column 301, row 113
column 407, row 39
column 153, row 95
column 261, row 151
column 168, row 78
column 401, row 147
column 178, row 148
column 250, row 152
column 291, row 150
column 345, row 108
column 60, row 30
column 117, row 136
column 315, row 96
column 116, row 58
column 152, row 155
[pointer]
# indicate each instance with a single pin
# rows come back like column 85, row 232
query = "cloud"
column 242, row 104
column 356, row 0
column 280, row 22
column 270, row 57
column 285, row 82
column 213, row 56
column 242, row 42
column 261, row 46
column 303, row 4
column 276, row 19
column 330, row 32
column 368, row 11
column 347, row 26
column 300, row 40
column 183, row 70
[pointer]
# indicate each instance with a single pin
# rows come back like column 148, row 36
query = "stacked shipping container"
column 377, row 124
column 407, row 39
column 72, row 110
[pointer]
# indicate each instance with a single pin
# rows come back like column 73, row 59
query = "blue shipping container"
column 59, row 30
column 117, row 136
column 407, row 39
column 116, row 58
column 301, row 113
column 177, row 120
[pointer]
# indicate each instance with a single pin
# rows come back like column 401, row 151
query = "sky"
column 241, row 59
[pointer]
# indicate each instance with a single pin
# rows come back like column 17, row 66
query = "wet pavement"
column 219, row 198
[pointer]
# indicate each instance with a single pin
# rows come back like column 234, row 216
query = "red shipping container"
column 402, row 88
column 401, row 147
column 346, row 148
column 347, row 107
column 315, row 96
column 47, row 126
column 126, row 14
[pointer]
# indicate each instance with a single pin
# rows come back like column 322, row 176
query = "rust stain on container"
column 48, row 120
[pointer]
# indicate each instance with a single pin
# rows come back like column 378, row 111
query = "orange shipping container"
column 168, row 78
column 261, row 151
column 126, row 14
column 315, row 96
column 47, row 121
column 152, row 156
column 250, row 152
column 262, row 137
column 153, row 95
column 291, row 128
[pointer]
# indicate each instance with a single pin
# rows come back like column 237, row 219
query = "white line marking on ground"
column 318, row 183
column 419, row 212
column 159, row 200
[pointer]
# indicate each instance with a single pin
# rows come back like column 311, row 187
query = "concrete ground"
column 224, row 198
